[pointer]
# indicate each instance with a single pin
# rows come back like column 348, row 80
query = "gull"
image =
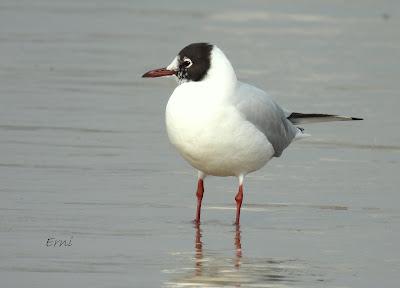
column 224, row 127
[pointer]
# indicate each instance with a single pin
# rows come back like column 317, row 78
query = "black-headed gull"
column 221, row 126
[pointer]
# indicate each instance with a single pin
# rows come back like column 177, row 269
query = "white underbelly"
column 219, row 143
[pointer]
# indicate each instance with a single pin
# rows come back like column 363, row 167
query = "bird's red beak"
column 158, row 73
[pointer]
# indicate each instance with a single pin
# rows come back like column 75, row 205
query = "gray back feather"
column 260, row 109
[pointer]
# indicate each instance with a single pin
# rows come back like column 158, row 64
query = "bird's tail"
column 303, row 118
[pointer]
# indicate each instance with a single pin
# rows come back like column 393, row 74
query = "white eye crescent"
column 187, row 62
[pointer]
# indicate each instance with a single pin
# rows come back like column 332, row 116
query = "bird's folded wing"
column 260, row 109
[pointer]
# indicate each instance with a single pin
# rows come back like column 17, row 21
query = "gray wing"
column 260, row 109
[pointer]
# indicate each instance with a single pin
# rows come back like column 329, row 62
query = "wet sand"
column 84, row 157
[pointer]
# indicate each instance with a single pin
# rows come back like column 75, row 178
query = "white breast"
column 212, row 135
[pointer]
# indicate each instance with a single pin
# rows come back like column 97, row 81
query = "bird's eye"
column 187, row 63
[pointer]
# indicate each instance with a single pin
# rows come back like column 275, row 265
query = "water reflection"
column 238, row 246
column 214, row 269
column 199, row 249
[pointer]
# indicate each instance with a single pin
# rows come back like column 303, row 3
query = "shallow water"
column 84, row 157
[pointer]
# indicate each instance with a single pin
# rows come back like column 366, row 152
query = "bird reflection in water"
column 199, row 249
column 214, row 269
column 238, row 247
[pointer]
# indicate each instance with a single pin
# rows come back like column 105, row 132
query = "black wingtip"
column 355, row 118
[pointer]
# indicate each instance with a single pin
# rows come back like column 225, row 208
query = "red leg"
column 239, row 199
column 199, row 194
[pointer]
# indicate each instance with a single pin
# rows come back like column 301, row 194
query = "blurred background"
column 84, row 155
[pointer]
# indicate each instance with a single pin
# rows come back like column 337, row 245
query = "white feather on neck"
column 221, row 72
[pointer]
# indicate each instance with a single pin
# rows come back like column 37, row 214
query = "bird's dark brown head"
column 194, row 61
column 191, row 64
